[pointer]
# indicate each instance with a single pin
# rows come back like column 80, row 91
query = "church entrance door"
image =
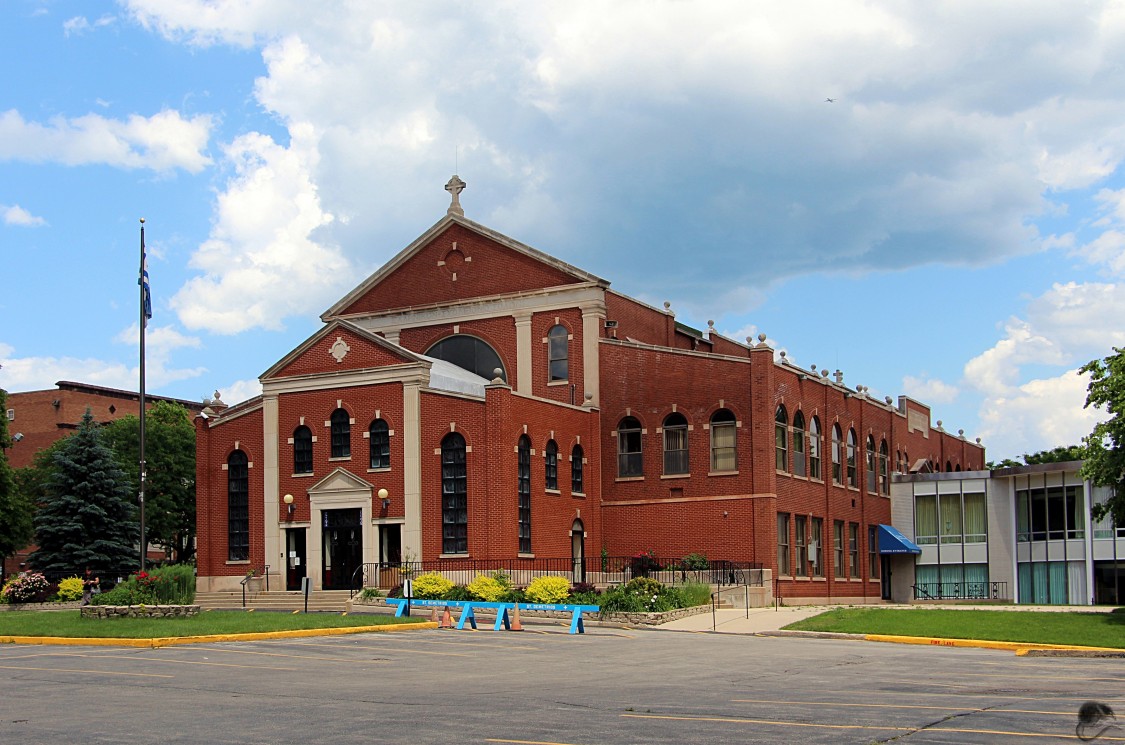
column 343, row 547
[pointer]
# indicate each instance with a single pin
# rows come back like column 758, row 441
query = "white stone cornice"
column 408, row 373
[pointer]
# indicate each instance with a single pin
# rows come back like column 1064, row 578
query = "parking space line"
column 89, row 672
column 740, row 720
column 966, row 709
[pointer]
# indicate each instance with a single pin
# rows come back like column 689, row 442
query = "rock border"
column 139, row 611
column 67, row 605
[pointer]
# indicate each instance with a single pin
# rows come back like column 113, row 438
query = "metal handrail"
column 264, row 573
column 609, row 570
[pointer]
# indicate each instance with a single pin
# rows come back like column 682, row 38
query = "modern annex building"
column 478, row 399
column 1024, row 534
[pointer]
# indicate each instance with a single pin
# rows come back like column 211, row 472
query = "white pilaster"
column 274, row 550
column 592, row 323
column 523, row 353
column 412, row 470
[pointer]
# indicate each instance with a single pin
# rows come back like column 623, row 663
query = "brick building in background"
column 37, row 419
column 478, row 399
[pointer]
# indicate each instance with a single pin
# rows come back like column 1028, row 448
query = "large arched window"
column 630, row 460
column 837, row 455
column 781, row 439
column 341, row 426
column 814, row 449
column 724, row 432
column 551, row 466
column 798, row 440
column 302, row 450
column 454, row 497
column 379, row 436
column 469, row 353
column 523, row 487
column 884, row 480
column 853, row 469
column 238, row 507
column 872, row 467
column 576, row 485
column 558, row 353
column 675, row 444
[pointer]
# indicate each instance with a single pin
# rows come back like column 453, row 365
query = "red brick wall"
column 541, row 323
column 493, row 269
column 637, row 321
column 214, row 446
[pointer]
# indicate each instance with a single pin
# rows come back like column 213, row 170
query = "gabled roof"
column 332, row 327
column 445, row 222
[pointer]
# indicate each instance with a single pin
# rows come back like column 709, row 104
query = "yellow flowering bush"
column 431, row 586
column 70, row 589
column 487, row 588
column 548, row 590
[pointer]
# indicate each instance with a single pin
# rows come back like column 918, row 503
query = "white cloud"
column 79, row 25
column 16, row 215
column 239, row 391
column 930, row 390
column 1038, row 415
column 261, row 262
column 162, row 142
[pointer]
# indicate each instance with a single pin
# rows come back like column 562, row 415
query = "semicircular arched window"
column 469, row 353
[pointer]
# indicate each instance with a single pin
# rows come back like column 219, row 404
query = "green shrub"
column 548, row 590
column 642, row 595
column 514, row 595
column 26, row 588
column 696, row 562
column 458, row 592
column 370, row 593
column 169, row 585
column 484, row 587
column 695, row 593
column 70, row 589
column 431, row 586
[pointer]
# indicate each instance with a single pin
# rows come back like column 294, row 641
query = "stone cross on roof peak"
column 455, row 186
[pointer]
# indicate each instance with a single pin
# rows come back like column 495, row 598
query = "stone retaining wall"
column 139, row 611
column 69, row 605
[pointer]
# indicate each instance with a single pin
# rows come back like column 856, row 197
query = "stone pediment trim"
column 339, row 480
column 335, row 326
column 391, row 266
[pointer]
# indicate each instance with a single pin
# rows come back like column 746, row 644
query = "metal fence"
column 961, row 591
column 600, row 571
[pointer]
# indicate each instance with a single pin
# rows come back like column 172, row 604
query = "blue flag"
column 143, row 281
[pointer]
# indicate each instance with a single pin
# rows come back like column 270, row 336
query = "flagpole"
column 145, row 304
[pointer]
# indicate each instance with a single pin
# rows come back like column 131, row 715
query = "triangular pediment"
column 458, row 260
column 339, row 480
column 341, row 346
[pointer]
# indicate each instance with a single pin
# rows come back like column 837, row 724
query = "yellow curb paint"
column 177, row 640
column 1017, row 647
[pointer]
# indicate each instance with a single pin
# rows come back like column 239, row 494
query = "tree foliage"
column 86, row 518
column 16, row 509
column 170, row 482
column 1061, row 454
column 1105, row 447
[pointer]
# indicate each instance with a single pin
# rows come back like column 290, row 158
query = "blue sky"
column 951, row 227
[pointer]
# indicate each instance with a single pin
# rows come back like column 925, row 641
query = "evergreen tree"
column 16, row 509
column 170, row 486
column 1105, row 446
column 87, row 518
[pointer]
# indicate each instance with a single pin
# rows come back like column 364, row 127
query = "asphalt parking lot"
column 543, row 685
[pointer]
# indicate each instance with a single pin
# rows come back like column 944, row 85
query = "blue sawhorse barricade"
column 469, row 608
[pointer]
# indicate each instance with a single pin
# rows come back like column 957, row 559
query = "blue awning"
column 893, row 542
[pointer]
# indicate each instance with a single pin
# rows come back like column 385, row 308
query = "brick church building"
column 477, row 399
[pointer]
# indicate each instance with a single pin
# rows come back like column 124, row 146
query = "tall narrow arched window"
column 630, row 460
column 853, row 466
column 238, row 507
column 302, row 450
column 798, row 440
column 551, row 466
column 558, row 353
column 576, row 485
column 781, row 439
column 523, row 486
column 454, row 496
column 724, row 433
column 837, row 455
column 872, row 467
column 884, row 477
column 675, row 444
column 814, row 449
column 379, row 439
column 341, row 427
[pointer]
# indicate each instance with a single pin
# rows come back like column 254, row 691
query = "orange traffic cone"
column 516, row 625
column 433, row 615
column 446, row 619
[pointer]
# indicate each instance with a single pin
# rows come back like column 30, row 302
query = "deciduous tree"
column 1105, row 447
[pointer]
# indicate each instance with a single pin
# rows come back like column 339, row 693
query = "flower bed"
column 139, row 611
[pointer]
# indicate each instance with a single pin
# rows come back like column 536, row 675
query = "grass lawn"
column 1084, row 629
column 70, row 624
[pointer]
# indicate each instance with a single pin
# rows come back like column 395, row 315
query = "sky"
column 929, row 197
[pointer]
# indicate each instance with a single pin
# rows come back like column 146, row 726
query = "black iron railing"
column 255, row 574
column 598, row 570
column 961, row 591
